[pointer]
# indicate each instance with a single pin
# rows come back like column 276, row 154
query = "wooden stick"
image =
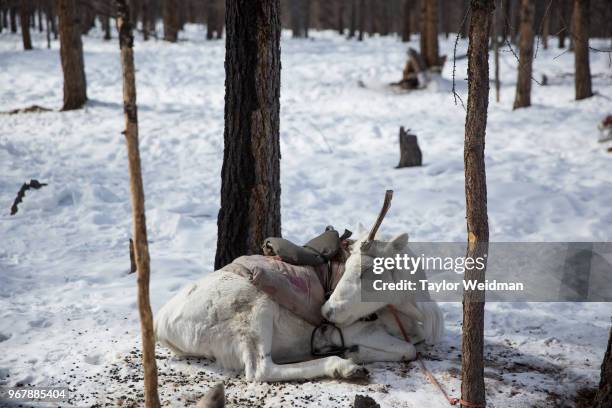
column 381, row 215
column 141, row 246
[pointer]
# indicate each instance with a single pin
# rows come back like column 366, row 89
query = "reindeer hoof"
column 359, row 373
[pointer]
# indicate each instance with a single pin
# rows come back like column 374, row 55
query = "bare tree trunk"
column 24, row 19
column 297, row 9
column 525, row 67
column 495, row 41
column 250, row 177
column 353, row 19
column 40, row 18
column 546, row 26
column 340, row 12
column 362, row 19
column 212, row 19
column 71, row 53
column 107, row 27
column 580, row 34
column 472, row 355
column 563, row 21
column 170, row 16
column 13, row 18
column 429, row 34
column 603, row 398
column 306, row 17
column 146, row 19
column 406, row 21
column 141, row 246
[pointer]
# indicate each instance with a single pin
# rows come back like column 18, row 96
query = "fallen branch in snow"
column 35, row 184
column 29, row 109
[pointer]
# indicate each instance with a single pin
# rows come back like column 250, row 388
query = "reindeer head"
column 345, row 306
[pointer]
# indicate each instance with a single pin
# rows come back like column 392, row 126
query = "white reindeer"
column 225, row 318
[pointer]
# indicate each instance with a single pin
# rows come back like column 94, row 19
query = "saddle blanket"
column 299, row 288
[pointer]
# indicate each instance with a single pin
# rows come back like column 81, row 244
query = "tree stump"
column 410, row 152
column 364, row 401
column 415, row 72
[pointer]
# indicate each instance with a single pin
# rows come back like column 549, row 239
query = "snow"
column 68, row 313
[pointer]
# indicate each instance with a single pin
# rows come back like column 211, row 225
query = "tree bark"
column 340, row 12
column 406, row 21
column 107, row 27
column 146, row 18
column 362, row 19
column 429, row 34
column 603, row 398
column 297, row 13
column 495, row 41
column 472, row 355
column 353, row 19
column 13, row 18
column 580, row 34
column 24, row 19
column 71, row 53
column 563, row 21
column 546, row 26
column 212, row 20
column 525, row 67
column 170, row 17
column 250, row 177
column 141, row 247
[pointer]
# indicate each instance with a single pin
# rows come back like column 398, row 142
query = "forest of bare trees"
column 250, row 186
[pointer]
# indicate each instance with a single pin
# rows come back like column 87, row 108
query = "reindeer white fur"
column 225, row 318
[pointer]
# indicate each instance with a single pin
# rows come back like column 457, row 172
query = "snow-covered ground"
column 68, row 313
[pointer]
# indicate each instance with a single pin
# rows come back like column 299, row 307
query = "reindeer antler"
column 381, row 215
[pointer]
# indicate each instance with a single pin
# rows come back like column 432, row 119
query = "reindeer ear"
column 398, row 243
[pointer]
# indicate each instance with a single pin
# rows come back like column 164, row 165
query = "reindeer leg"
column 256, row 352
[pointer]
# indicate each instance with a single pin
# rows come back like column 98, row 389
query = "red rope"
column 428, row 374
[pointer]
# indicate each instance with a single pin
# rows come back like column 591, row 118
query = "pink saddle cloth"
column 295, row 287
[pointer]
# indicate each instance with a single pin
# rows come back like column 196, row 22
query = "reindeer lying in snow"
column 225, row 318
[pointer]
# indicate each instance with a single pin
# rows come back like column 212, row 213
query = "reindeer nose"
column 328, row 313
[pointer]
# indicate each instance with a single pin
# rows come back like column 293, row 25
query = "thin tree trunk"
column 145, row 20
column 212, row 17
column 13, row 18
column 50, row 9
column 250, row 177
column 525, row 67
column 563, row 22
column 48, row 25
column 495, row 41
column 24, row 19
column 546, row 26
column 340, row 11
column 107, row 27
column 40, row 19
column 306, row 4
column 406, row 21
column 472, row 355
column 353, row 19
column 429, row 34
column 362, row 19
column 580, row 34
column 170, row 18
column 141, row 247
column 603, row 398
column 71, row 53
